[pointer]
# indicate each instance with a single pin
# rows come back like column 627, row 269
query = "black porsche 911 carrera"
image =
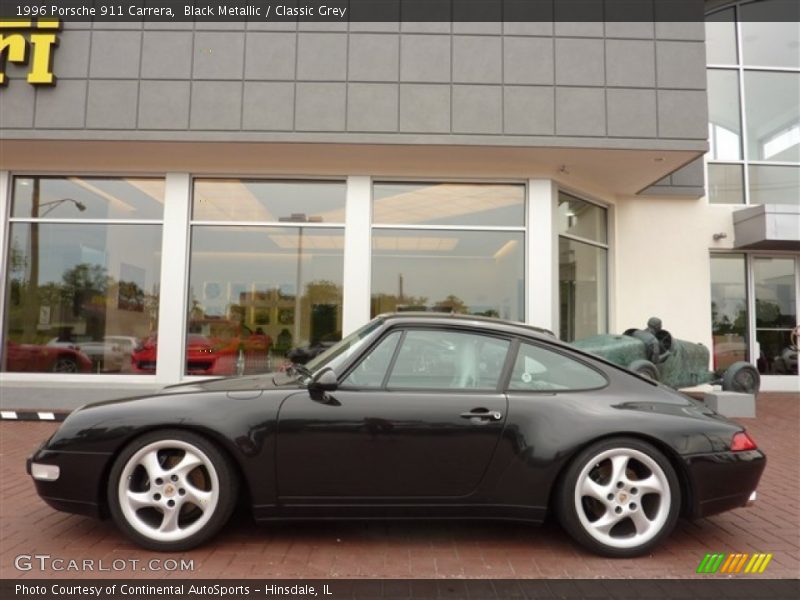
column 412, row 416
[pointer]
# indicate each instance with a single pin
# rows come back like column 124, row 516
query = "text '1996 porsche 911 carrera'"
column 415, row 415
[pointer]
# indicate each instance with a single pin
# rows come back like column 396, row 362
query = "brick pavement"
column 414, row 549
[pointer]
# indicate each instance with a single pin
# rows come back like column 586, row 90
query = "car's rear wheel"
column 171, row 490
column 619, row 497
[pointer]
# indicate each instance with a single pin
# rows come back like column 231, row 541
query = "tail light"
column 742, row 441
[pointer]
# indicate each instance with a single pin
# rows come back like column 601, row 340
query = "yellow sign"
column 18, row 36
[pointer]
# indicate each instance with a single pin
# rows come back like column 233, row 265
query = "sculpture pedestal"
column 732, row 404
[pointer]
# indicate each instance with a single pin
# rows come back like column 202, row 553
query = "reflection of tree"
column 722, row 323
column 453, row 304
column 768, row 314
column 84, row 294
column 323, row 292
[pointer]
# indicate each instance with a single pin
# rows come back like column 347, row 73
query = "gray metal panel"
column 629, row 63
column 268, row 106
column 580, row 62
column 681, row 65
column 767, row 227
column 372, row 106
column 425, row 108
column 631, row 113
column 167, row 55
column 425, row 58
column 374, row 57
column 270, row 56
column 216, row 105
column 16, row 105
column 580, row 111
column 477, row 59
column 477, row 109
column 320, row 107
column 463, row 80
column 529, row 110
column 112, row 104
column 115, row 54
column 682, row 114
column 322, row 57
column 61, row 107
column 528, row 60
column 72, row 57
column 164, row 104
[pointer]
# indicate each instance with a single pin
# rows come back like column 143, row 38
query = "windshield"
column 334, row 356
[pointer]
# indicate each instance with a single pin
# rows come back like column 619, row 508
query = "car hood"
column 264, row 381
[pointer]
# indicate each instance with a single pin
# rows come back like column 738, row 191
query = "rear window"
column 539, row 369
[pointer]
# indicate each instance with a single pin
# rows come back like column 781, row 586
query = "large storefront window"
column 262, row 293
column 583, row 268
column 449, row 247
column 83, row 285
column 754, row 136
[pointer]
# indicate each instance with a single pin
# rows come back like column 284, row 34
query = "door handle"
column 483, row 415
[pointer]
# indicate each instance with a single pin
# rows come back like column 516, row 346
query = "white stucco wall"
column 662, row 263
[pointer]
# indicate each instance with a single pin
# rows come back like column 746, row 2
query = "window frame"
column 8, row 184
column 499, row 388
column 740, row 67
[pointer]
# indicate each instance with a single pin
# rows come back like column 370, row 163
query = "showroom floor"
column 406, row 549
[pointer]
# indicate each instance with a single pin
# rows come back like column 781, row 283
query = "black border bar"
column 399, row 589
column 343, row 11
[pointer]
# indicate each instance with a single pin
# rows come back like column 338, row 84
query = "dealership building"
column 191, row 199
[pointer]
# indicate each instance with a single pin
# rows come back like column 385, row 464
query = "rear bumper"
column 722, row 481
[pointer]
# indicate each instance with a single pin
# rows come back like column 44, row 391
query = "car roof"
column 436, row 318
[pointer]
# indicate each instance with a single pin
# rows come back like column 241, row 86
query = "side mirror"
column 324, row 381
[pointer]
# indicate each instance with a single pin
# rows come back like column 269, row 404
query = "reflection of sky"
column 262, row 258
column 64, row 246
column 481, row 268
column 101, row 198
column 267, row 201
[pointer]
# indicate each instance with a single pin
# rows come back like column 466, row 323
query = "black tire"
column 621, row 543
column 741, row 377
column 141, row 526
column 644, row 368
column 64, row 364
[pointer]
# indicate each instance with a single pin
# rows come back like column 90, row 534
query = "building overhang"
column 767, row 227
column 606, row 172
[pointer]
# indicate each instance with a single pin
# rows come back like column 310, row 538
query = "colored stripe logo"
column 734, row 563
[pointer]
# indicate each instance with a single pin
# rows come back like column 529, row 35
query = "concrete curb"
column 29, row 415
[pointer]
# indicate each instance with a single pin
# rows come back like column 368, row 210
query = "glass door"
column 775, row 283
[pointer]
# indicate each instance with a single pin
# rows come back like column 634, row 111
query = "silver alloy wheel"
column 161, row 490
column 627, row 493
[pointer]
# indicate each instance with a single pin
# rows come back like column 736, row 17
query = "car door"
column 419, row 416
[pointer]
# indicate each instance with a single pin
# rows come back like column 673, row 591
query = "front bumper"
column 79, row 486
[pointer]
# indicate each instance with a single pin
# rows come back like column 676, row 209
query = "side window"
column 545, row 370
column 448, row 360
column 372, row 368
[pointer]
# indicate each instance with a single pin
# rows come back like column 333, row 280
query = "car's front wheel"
column 619, row 497
column 171, row 490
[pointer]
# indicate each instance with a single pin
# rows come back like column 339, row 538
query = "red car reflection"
column 209, row 356
column 37, row 358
